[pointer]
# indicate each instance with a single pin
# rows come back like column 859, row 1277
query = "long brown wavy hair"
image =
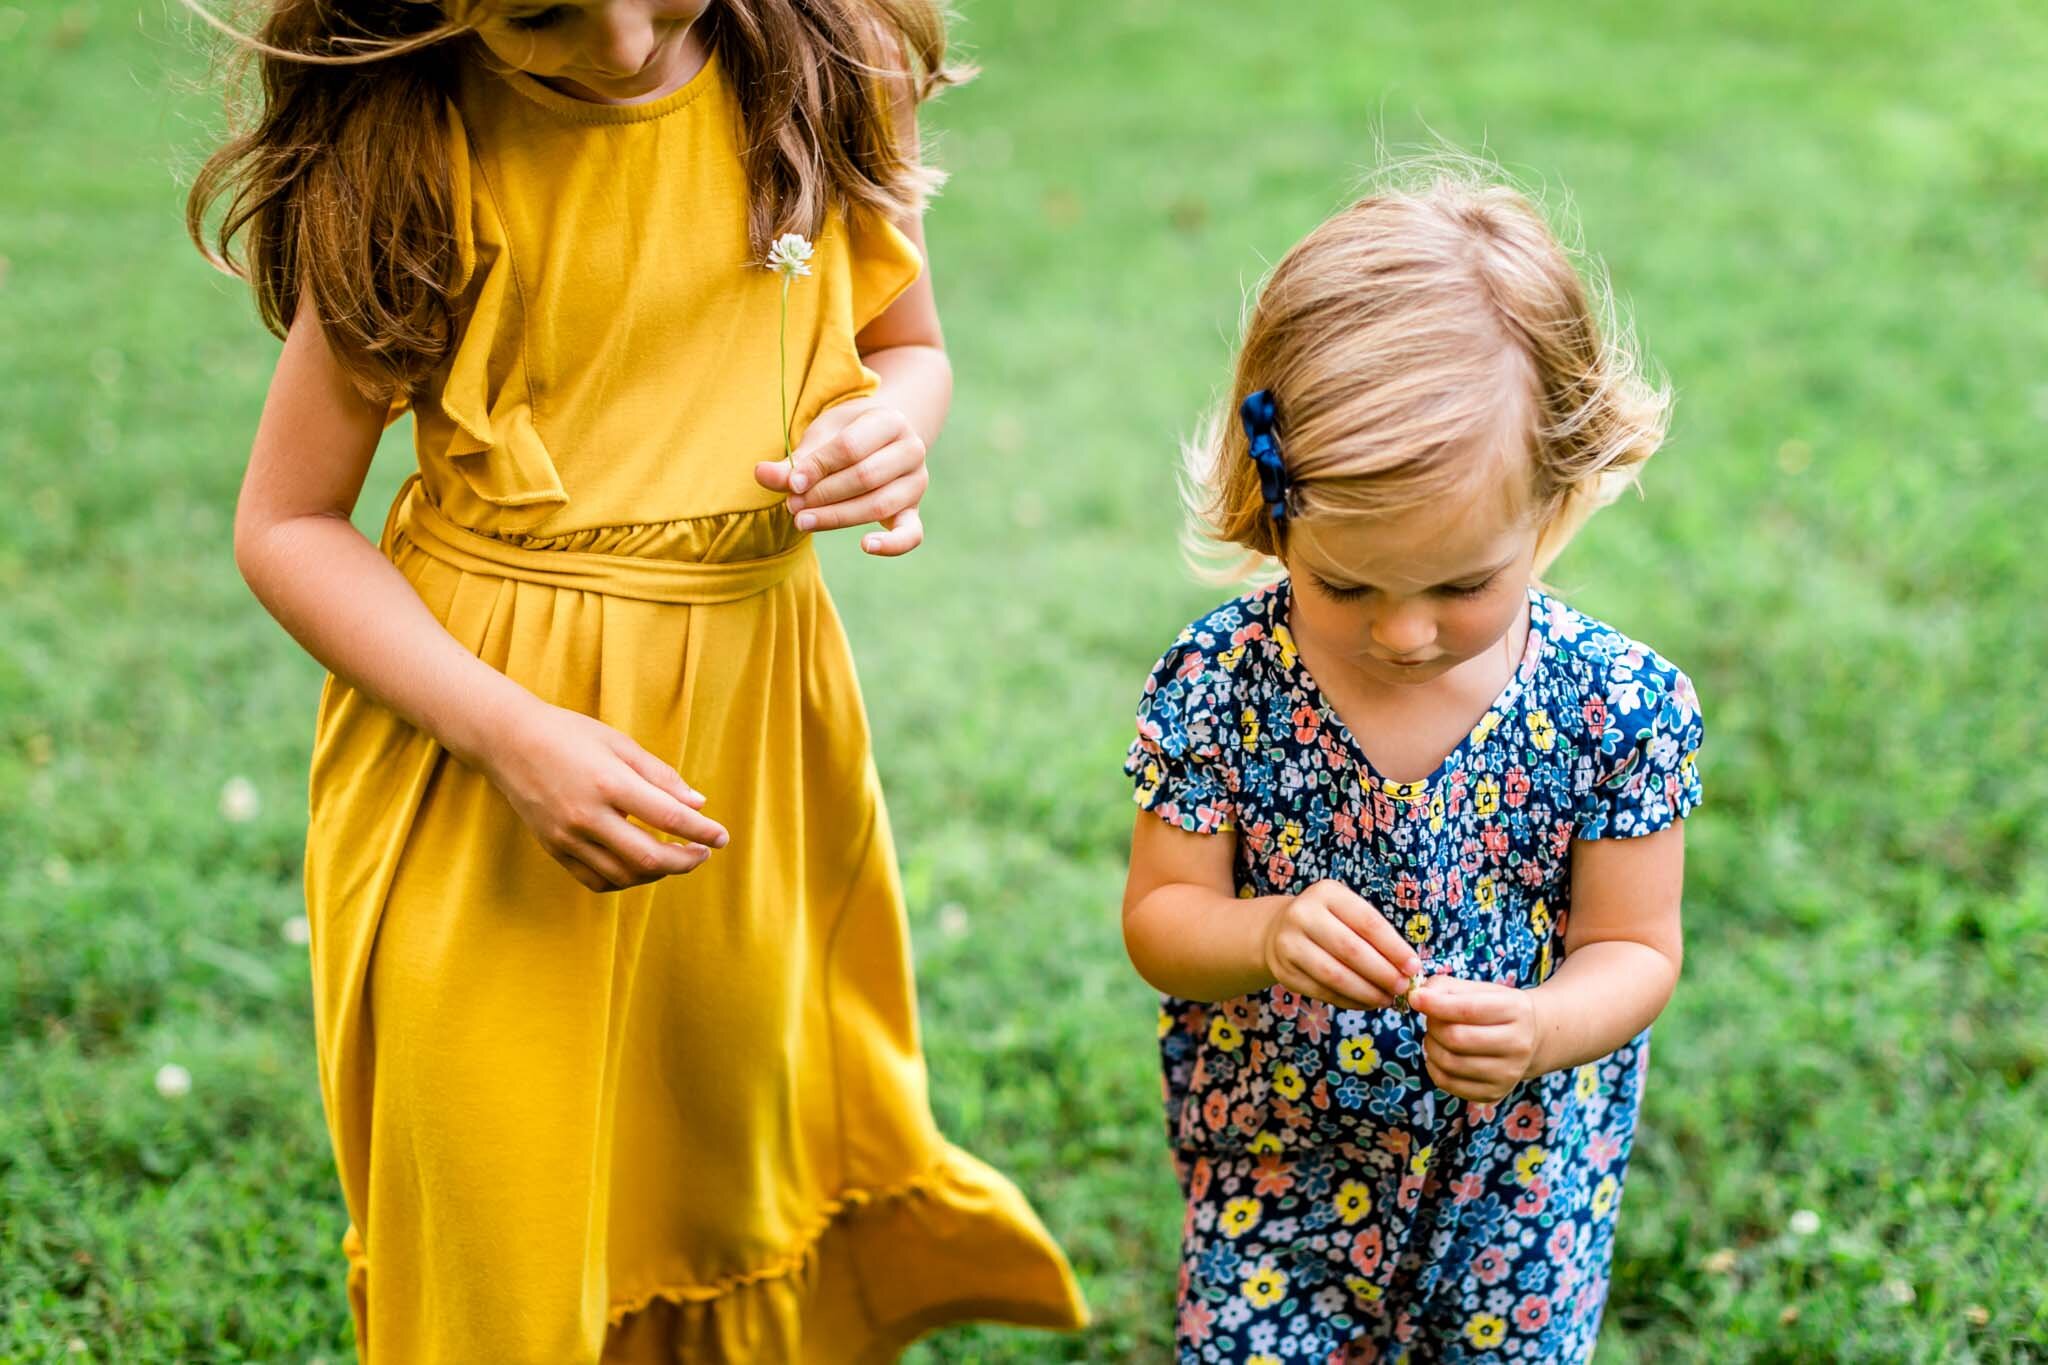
column 337, row 182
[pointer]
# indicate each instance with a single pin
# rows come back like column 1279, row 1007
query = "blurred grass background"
column 1831, row 225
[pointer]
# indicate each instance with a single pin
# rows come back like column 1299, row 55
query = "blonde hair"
column 1410, row 342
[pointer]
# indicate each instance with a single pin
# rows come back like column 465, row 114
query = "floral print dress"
column 1339, row 1206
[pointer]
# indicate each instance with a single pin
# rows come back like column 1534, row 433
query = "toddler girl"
column 1410, row 874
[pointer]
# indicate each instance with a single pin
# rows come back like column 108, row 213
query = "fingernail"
column 796, row 504
column 722, row 840
column 799, row 482
column 871, row 544
column 804, row 521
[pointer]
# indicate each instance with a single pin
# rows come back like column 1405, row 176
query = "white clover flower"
column 1803, row 1223
column 239, row 801
column 173, row 1082
column 791, row 255
column 952, row 920
column 297, row 930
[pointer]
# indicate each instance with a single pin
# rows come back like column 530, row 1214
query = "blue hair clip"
column 1259, row 413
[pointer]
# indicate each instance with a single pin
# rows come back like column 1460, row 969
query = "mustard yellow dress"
column 688, row 1121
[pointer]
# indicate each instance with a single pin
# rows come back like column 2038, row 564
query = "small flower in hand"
column 789, row 258
column 791, row 255
column 861, row 461
column 1480, row 1040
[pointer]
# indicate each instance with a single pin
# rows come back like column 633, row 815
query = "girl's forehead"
column 1413, row 550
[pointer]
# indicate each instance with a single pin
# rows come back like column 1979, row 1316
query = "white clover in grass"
column 173, row 1082
column 789, row 258
column 239, row 801
column 952, row 920
column 297, row 930
column 1803, row 1223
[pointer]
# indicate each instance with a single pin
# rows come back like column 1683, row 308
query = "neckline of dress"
column 1480, row 731
column 590, row 111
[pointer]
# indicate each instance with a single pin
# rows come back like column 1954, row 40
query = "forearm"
column 917, row 380
column 1600, row 996
column 1195, row 943
column 352, row 610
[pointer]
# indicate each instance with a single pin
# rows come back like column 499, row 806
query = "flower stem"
column 788, row 417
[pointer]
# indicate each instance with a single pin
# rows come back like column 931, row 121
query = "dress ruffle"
column 487, row 395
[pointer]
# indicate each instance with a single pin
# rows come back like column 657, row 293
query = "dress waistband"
column 648, row 580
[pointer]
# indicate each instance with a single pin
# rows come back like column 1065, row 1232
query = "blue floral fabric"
column 1339, row 1206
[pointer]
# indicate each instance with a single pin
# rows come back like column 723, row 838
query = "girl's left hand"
column 860, row 461
column 1481, row 1037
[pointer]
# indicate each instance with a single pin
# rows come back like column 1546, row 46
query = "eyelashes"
column 1448, row 590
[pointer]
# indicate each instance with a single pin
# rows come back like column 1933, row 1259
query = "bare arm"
column 328, row 586
column 1189, row 935
column 1623, row 948
column 573, row 780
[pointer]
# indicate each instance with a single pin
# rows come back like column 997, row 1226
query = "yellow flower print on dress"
column 1486, row 1331
column 1417, row 928
column 1230, row 658
column 1364, row 1290
column 1225, row 1034
column 1587, row 1081
column 1263, row 1360
column 1528, row 1164
column 1284, row 638
column 1248, row 727
column 1436, row 813
column 1483, row 892
column 1357, row 1054
column 1239, row 1217
column 1290, row 839
column 1265, row 1286
column 1486, row 796
column 1419, row 1163
column 1539, row 918
column 1542, row 733
column 1603, row 1196
column 1354, row 1201
column 1264, row 1143
column 1483, row 731
column 1165, row 1023
column 1287, row 1081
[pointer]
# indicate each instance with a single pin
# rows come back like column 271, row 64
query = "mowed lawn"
column 1831, row 225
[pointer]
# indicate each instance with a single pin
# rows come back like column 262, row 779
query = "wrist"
column 484, row 722
column 1539, row 1035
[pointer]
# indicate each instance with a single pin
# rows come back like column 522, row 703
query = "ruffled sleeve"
column 1646, row 729
column 1177, row 764
column 885, row 263
column 487, row 395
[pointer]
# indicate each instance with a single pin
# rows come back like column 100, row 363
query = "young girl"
column 1410, row 877
column 583, row 1105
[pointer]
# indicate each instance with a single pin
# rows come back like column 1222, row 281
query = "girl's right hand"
column 1329, row 943
column 574, row 780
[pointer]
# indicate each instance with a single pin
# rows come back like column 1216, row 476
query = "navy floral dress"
column 1339, row 1206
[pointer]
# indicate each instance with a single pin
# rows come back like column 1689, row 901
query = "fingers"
column 627, row 856
column 1474, row 1040
column 842, row 437
column 661, row 775
column 891, row 498
column 895, row 459
column 1455, row 1001
column 902, row 533
column 670, row 814
column 1369, row 924
column 1336, row 938
column 1328, row 979
column 1465, row 1077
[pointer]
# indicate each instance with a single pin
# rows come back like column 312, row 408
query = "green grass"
column 1828, row 223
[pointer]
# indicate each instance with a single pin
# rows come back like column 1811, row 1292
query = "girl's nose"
column 1404, row 630
column 625, row 40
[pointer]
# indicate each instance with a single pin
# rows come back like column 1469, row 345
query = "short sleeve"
column 884, row 264
column 1646, row 730
column 1176, row 764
